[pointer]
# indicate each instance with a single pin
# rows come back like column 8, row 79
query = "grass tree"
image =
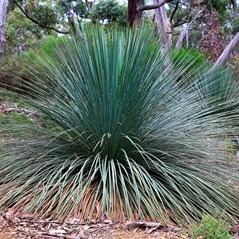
column 128, row 139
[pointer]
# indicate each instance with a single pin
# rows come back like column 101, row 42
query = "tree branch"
column 185, row 18
column 152, row 6
column 181, row 37
column 184, row 33
column 37, row 22
column 139, row 15
column 180, row 23
column 174, row 11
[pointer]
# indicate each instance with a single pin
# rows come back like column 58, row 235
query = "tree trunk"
column 3, row 18
column 184, row 32
column 140, row 14
column 227, row 52
column 156, row 4
column 164, row 26
column 181, row 37
column 132, row 11
column 235, row 10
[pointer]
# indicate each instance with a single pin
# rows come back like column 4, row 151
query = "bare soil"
column 19, row 225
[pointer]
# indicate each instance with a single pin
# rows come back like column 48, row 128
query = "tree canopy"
column 205, row 25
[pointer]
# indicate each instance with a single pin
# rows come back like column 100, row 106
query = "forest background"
column 197, row 34
column 207, row 26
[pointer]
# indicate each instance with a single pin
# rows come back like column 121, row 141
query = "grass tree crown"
column 130, row 139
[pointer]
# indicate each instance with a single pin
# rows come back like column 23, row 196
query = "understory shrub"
column 210, row 228
column 13, row 70
column 191, row 60
column 129, row 140
column 10, row 78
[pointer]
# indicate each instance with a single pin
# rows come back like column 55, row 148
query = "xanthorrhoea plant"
column 128, row 141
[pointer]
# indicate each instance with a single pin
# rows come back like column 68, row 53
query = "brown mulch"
column 25, row 226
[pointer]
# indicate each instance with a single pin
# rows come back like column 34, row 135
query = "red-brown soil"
column 25, row 226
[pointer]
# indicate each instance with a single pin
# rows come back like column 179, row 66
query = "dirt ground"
column 20, row 225
column 4, row 235
column 119, row 234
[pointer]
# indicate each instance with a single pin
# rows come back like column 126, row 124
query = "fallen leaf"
column 59, row 231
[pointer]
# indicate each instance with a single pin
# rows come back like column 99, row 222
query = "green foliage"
column 210, row 228
column 17, row 118
column 8, row 131
column 45, row 46
column 49, row 45
column 10, row 75
column 20, row 32
column 13, row 72
column 190, row 59
column 14, row 118
column 110, row 11
column 235, row 25
column 78, row 7
column 13, row 69
column 218, row 90
column 129, row 140
column 219, row 93
column 18, row 102
column 189, row 54
column 219, row 5
column 44, row 14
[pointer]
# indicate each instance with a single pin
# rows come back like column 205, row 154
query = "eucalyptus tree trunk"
column 165, row 33
column 227, row 52
column 235, row 8
column 163, row 23
column 3, row 18
column 140, row 14
column 181, row 37
column 132, row 11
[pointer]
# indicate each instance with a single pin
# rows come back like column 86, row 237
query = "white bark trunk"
column 163, row 23
column 184, row 33
column 235, row 10
column 181, row 37
column 227, row 52
column 3, row 18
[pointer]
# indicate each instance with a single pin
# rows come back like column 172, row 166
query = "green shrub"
column 14, row 118
column 218, row 89
column 235, row 25
column 45, row 46
column 110, row 12
column 13, row 70
column 210, row 228
column 191, row 60
column 129, row 140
